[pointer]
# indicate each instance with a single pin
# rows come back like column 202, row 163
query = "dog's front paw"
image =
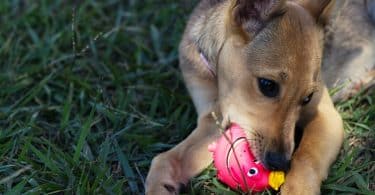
column 301, row 182
column 161, row 178
column 161, row 183
column 156, row 188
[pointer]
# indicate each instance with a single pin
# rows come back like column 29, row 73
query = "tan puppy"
column 257, row 63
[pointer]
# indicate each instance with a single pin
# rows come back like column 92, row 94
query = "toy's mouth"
column 276, row 179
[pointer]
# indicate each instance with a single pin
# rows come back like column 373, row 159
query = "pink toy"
column 236, row 165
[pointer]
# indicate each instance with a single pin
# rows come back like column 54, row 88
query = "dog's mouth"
column 253, row 137
column 256, row 144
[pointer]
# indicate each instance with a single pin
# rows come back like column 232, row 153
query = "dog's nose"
column 276, row 161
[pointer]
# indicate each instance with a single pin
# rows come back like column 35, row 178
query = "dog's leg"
column 175, row 167
column 319, row 147
column 187, row 159
column 202, row 85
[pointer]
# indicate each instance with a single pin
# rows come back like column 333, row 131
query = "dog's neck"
column 209, row 34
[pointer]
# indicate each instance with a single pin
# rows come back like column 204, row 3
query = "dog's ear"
column 252, row 15
column 319, row 9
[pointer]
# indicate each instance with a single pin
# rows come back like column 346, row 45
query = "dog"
column 260, row 64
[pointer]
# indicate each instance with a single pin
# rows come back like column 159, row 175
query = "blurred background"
column 90, row 91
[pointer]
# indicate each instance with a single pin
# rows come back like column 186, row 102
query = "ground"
column 90, row 92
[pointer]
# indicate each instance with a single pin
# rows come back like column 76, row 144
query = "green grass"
column 90, row 92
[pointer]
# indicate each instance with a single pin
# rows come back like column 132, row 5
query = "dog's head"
column 269, row 71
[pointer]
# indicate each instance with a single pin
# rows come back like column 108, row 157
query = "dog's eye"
column 268, row 87
column 307, row 99
column 253, row 171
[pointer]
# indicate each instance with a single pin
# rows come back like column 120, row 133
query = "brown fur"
column 245, row 40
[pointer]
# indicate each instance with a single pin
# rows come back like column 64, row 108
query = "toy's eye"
column 252, row 172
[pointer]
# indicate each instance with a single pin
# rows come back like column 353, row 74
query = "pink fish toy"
column 237, row 166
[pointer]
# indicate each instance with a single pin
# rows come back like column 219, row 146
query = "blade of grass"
column 67, row 107
column 128, row 171
column 17, row 189
column 83, row 135
column 45, row 159
column 33, row 92
column 14, row 175
column 341, row 188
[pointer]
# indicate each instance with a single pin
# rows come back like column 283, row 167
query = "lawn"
column 91, row 91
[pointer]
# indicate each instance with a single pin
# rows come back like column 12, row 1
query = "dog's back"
column 349, row 58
